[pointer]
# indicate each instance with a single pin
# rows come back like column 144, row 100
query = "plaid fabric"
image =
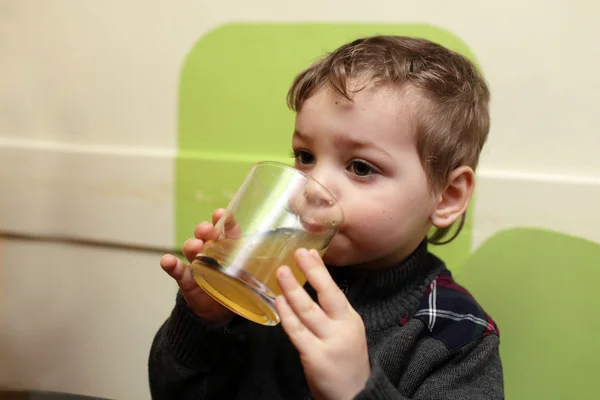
column 452, row 314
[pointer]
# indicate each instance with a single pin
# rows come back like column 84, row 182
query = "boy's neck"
column 404, row 265
column 391, row 261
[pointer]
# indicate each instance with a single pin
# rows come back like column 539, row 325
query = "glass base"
column 238, row 296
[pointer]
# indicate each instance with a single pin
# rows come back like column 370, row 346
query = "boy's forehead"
column 376, row 111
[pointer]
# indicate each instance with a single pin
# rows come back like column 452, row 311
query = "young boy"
column 393, row 127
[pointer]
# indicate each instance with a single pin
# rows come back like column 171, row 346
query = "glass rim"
column 290, row 168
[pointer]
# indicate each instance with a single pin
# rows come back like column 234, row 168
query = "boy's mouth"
column 313, row 227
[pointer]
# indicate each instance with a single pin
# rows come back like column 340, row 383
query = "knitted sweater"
column 427, row 339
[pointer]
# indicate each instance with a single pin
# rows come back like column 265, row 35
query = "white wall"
column 88, row 93
column 79, row 318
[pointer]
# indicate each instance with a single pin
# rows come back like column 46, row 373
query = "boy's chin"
column 336, row 258
column 339, row 253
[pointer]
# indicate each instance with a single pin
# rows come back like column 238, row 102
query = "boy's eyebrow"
column 353, row 143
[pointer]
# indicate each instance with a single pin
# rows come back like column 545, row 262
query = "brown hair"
column 452, row 114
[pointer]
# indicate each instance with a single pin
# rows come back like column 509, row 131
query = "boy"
column 393, row 127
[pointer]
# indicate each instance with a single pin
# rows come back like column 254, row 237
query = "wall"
column 90, row 148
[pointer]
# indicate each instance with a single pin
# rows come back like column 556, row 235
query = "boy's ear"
column 454, row 199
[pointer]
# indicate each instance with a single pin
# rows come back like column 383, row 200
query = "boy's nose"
column 316, row 195
column 317, row 209
column 321, row 189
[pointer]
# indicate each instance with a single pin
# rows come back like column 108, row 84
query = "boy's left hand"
column 330, row 336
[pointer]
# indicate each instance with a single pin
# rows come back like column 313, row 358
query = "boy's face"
column 364, row 152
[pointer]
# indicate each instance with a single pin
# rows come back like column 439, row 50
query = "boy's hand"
column 330, row 336
column 198, row 301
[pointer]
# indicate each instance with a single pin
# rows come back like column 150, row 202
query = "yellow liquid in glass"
column 240, row 273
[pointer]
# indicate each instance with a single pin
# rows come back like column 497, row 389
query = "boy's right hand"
column 198, row 301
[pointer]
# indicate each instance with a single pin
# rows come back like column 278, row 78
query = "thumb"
column 179, row 271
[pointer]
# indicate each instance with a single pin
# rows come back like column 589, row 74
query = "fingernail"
column 303, row 253
column 315, row 254
column 285, row 272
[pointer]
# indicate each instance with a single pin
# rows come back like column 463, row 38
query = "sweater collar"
column 382, row 296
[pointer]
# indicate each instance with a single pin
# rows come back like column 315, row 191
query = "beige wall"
column 88, row 93
column 79, row 319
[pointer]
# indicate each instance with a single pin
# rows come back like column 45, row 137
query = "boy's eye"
column 304, row 157
column 361, row 168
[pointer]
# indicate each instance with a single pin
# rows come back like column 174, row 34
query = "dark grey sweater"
column 427, row 337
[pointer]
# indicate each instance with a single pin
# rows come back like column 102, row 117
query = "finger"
column 309, row 312
column 179, row 271
column 217, row 215
column 331, row 299
column 301, row 337
column 191, row 248
column 232, row 228
column 206, row 231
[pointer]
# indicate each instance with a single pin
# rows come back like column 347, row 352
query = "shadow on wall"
column 26, row 395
